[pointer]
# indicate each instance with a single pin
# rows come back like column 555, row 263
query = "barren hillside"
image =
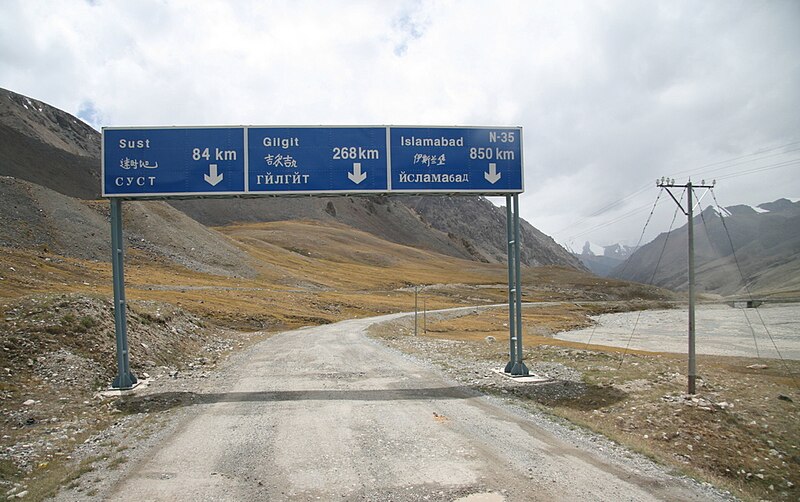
column 54, row 149
column 36, row 218
column 766, row 244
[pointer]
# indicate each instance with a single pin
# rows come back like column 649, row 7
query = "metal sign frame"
column 126, row 379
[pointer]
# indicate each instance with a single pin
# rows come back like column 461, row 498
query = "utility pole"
column 689, row 212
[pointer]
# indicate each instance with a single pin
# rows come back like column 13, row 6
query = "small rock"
column 29, row 402
column 784, row 397
column 21, row 494
column 757, row 367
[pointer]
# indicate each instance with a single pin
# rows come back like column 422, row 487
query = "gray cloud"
column 610, row 95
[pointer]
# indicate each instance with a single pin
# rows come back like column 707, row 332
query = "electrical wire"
column 709, row 173
column 624, row 216
column 788, row 163
column 732, row 161
column 747, row 319
column 652, row 277
column 747, row 289
column 641, row 237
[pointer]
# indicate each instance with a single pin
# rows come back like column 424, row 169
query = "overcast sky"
column 611, row 95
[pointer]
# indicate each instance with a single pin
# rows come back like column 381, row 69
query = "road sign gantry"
column 252, row 161
column 164, row 162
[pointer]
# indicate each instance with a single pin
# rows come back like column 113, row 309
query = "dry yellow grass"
column 307, row 274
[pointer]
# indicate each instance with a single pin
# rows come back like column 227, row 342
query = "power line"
column 734, row 159
column 605, row 208
column 653, row 276
column 747, row 288
column 641, row 237
column 724, row 165
column 788, row 163
column 630, row 213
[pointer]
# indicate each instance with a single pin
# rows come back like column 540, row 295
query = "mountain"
column 36, row 218
column 51, row 148
column 766, row 245
column 480, row 225
column 602, row 260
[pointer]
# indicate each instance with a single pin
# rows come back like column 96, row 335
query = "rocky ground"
column 739, row 432
column 57, row 355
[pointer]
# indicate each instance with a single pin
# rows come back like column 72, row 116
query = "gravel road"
column 326, row 413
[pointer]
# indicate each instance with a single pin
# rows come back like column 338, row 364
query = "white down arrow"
column 357, row 176
column 492, row 176
column 212, row 178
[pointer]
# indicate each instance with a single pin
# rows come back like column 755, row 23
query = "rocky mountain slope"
column 766, row 242
column 51, row 148
column 36, row 218
column 481, row 226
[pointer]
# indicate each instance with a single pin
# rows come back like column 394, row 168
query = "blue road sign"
column 456, row 159
column 173, row 161
column 233, row 161
column 316, row 159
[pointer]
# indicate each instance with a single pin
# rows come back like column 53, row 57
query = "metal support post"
column 416, row 309
column 512, row 351
column 424, row 316
column 519, row 368
column 125, row 379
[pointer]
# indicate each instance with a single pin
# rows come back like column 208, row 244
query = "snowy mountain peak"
column 612, row 251
column 591, row 249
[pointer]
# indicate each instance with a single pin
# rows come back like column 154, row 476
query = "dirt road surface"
column 326, row 413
